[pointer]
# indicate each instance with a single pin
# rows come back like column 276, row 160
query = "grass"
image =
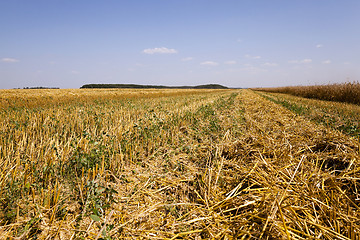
column 189, row 164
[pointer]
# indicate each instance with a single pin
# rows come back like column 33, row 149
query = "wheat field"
column 172, row 164
column 348, row 92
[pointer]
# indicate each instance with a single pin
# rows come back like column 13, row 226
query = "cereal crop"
column 340, row 92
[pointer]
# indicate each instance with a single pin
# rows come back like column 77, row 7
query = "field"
column 177, row 164
column 348, row 92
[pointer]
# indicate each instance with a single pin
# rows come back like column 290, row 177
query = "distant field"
column 30, row 98
column 177, row 164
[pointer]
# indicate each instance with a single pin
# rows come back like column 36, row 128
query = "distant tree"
column 41, row 88
column 206, row 86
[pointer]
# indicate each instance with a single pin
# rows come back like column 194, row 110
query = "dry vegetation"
column 346, row 92
column 172, row 164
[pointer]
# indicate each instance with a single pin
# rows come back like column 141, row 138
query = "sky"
column 236, row 43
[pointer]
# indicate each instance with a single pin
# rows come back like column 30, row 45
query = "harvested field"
column 195, row 164
column 33, row 98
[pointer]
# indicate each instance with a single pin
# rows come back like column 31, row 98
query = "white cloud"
column 307, row 60
column 268, row 64
column 230, row 62
column 209, row 63
column 9, row 60
column 162, row 50
column 304, row 61
column 326, row 62
column 187, row 59
column 75, row 72
column 319, row 46
column 252, row 57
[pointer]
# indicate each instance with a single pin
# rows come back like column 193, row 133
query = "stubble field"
column 176, row 164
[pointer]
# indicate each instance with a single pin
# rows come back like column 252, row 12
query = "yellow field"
column 171, row 164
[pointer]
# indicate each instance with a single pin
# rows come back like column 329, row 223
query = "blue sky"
column 237, row 43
